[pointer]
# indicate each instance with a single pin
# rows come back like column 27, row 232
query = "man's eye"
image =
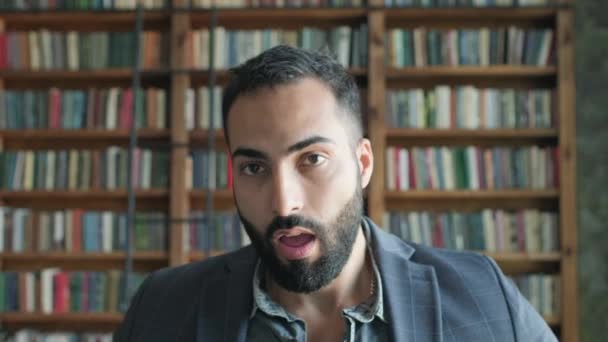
column 314, row 159
column 252, row 169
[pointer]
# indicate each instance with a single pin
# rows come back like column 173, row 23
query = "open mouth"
column 294, row 244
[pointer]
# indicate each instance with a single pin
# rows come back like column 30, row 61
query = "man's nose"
column 287, row 196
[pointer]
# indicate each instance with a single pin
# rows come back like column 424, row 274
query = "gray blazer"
column 429, row 294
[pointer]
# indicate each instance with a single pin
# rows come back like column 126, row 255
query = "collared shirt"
column 269, row 322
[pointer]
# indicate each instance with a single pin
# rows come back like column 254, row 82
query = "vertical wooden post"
column 179, row 199
column 567, row 147
column 375, row 112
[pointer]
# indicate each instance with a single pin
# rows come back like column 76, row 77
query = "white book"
column 49, row 182
column 146, row 169
column 202, row 104
column 28, row 181
column 35, row 62
column 112, row 109
column 545, row 49
column 484, row 46
column 30, row 292
column 343, row 46
column 19, row 170
column 431, row 167
column 421, row 110
column 489, row 230
column 404, row 170
column 473, row 172
column 197, row 49
column 73, row 157
column 72, row 46
column 443, row 106
column 426, row 228
column 190, row 109
column 390, row 168
column 106, row 231
column 58, row 229
column 204, row 38
column 46, row 282
column 414, row 223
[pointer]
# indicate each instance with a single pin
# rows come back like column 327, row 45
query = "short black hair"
column 285, row 64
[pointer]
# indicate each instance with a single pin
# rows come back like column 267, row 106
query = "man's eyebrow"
column 300, row 145
column 250, row 153
column 315, row 139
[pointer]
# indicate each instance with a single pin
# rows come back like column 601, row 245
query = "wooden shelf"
column 469, row 200
column 488, row 76
column 200, row 138
column 39, row 139
column 65, row 321
column 553, row 321
column 98, row 78
column 101, row 20
column 549, row 257
column 286, row 18
column 222, row 200
column 78, row 261
column 115, row 200
column 470, row 17
column 478, row 137
column 200, row 78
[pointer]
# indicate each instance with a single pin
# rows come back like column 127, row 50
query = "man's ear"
column 365, row 159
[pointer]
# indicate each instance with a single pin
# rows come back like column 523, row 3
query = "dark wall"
column 592, row 141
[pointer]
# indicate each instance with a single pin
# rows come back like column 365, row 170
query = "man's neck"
column 352, row 286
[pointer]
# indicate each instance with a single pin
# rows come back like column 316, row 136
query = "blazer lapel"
column 411, row 293
column 226, row 300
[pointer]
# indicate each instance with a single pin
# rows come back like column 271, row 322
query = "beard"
column 335, row 239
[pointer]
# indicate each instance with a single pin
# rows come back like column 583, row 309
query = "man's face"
column 298, row 181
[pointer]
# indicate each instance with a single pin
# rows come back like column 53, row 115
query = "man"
column 318, row 270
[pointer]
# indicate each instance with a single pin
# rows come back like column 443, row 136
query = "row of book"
column 30, row 335
column 54, row 50
column 233, row 47
column 24, row 5
column 221, row 231
column 92, row 108
column 157, row 4
column 277, row 3
column 200, row 111
column 209, row 169
column 472, row 168
column 489, row 230
column 78, row 230
column 511, row 45
column 469, row 107
column 83, row 169
column 468, row 3
column 54, row 291
column 543, row 291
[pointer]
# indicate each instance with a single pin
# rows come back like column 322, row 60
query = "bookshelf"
column 378, row 78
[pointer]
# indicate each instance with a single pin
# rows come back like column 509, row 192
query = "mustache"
column 291, row 221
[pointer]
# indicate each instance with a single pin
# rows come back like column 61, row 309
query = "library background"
column 113, row 162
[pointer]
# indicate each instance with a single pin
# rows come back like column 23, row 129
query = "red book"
column 413, row 180
column 55, row 109
column 77, row 230
column 3, row 51
column 437, row 233
column 126, row 109
column 62, row 293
